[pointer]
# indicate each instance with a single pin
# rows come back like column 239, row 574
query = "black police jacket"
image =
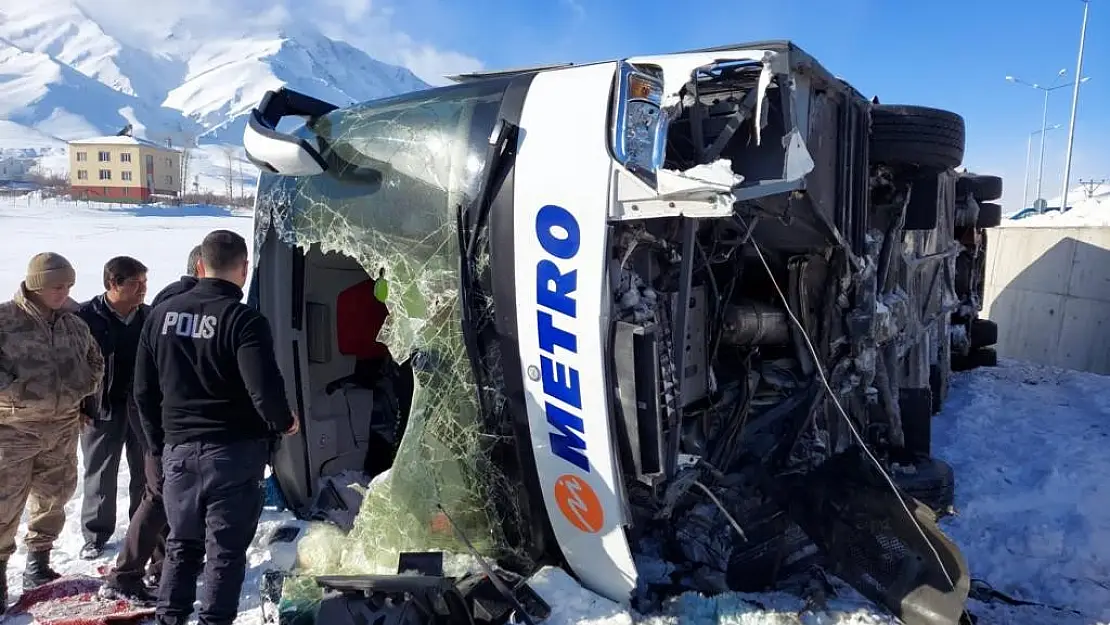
column 175, row 288
column 206, row 370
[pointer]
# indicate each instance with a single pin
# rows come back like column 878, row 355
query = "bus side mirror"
column 278, row 152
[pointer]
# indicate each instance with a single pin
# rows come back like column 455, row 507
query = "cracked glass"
column 400, row 171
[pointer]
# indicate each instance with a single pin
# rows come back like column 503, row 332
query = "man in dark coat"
column 115, row 318
column 144, row 545
column 212, row 403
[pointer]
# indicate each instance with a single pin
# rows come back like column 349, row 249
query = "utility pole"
column 1044, row 131
column 1090, row 186
column 1074, row 106
column 1028, row 152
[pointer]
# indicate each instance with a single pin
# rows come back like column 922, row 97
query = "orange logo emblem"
column 579, row 503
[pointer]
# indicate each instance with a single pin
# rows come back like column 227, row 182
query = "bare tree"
column 186, row 156
column 242, row 180
column 188, row 142
column 229, row 151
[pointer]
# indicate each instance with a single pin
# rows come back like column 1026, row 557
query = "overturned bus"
column 674, row 322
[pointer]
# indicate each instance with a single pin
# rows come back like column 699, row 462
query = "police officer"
column 212, row 401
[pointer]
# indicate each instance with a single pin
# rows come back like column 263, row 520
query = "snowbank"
column 1028, row 445
column 1092, row 211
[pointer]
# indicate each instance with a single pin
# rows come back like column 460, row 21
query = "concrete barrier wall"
column 1048, row 288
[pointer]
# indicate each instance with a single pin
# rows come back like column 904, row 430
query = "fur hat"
column 48, row 270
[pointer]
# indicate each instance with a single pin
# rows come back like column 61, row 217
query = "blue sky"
column 943, row 53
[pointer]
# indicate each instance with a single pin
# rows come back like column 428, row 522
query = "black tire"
column 930, row 481
column 916, row 135
column 981, row 357
column 984, row 357
column 990, row 215
column 982, row 188
column 983, row 333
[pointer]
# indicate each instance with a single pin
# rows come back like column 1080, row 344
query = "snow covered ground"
column 1028, row 445
column 88, row 234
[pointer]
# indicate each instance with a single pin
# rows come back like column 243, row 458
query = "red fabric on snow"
column 72, row 600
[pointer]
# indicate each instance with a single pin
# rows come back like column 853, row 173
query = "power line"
column 1091, row 186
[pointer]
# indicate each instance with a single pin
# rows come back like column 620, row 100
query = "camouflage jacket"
column 49, row 363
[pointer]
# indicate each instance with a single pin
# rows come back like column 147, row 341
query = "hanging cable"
column 721, row 507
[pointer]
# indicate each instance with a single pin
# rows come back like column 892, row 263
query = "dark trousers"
column 102, row 445
column 146, row 533
column 213, row 494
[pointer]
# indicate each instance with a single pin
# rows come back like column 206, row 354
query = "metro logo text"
column 559, row 236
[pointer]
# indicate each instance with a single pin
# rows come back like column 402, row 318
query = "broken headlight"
column 639, row 129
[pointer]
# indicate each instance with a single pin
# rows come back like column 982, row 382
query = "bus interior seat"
column 356, row 422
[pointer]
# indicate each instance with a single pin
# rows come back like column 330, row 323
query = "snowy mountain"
column 41, row 93
column 68, row 70
column 227, row 78
column 63, row 31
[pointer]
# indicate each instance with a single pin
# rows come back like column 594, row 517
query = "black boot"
column 38, row 571
column 133, row 591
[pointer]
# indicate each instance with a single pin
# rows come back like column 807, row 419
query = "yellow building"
column 123, row 168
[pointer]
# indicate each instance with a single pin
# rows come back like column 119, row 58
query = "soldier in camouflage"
column 49, row 363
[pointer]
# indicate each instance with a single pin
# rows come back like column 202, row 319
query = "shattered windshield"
column 399, row 171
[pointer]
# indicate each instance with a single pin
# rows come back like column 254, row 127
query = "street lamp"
column 1044, row 116
column 1074, row 106
column 1028, row 151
